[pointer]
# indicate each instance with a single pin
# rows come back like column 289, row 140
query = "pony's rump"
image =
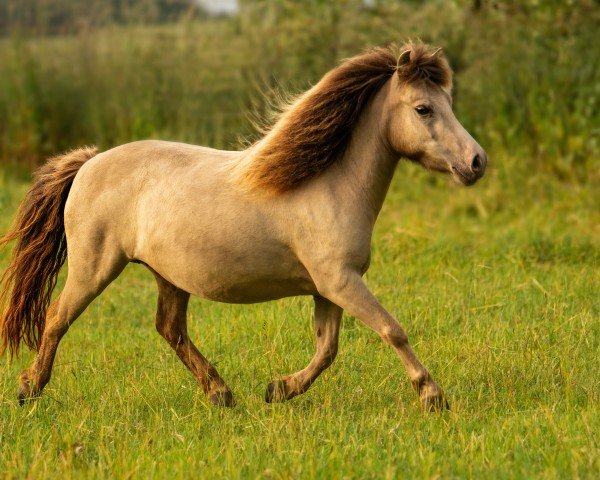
column 39, row 252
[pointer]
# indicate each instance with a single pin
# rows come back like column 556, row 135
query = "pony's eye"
column 423, row 110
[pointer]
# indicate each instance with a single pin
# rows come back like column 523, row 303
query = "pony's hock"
column 300, row 205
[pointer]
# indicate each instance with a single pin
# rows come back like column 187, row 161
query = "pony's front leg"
column 327, row 320
column 350, row 292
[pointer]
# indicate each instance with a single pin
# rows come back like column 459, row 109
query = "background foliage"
column 527, row 73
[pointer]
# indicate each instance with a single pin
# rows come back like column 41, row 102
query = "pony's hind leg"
column 171, row 323
column 83, row 284
column 328, row 317
column 33, row 380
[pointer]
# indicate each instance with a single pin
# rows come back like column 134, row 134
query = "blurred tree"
column 69, row 16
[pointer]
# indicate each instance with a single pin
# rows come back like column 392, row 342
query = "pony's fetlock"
column 432, row 398
column 222, row 398
column 27, row 391
column 280, row 390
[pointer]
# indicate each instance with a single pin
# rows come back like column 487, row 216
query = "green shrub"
column 526, row 76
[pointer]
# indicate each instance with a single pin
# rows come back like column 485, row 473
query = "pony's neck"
column 369, row 163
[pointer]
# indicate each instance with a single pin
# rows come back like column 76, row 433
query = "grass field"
column 497, row 286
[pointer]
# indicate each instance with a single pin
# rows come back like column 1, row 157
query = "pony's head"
column 420, row 122
column 416, row 122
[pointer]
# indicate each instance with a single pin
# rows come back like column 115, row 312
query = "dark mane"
column 313, row 132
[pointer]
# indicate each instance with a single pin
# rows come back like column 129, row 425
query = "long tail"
column 39, row 253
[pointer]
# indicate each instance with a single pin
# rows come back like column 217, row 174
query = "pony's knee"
column 331, row 352
column 174, row 336
column 55, row 327
column 327, row 357
column 395, row 336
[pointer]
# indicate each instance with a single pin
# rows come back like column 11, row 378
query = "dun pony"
column 291, row 215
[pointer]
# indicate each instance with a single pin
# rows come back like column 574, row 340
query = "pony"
column 290, row 215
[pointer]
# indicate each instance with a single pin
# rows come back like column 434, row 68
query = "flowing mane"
column 310, row 134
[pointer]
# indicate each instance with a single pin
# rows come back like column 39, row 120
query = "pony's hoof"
column 276, row 392
column 24, row 393
column 222, row 399
column 24, row 396
column 431, row 395
column 434, row 401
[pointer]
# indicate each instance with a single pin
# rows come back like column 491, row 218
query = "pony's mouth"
column 462, row 178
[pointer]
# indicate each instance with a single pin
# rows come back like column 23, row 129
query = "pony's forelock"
column 419, row 62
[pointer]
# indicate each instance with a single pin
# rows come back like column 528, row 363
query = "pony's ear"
column 404, row 58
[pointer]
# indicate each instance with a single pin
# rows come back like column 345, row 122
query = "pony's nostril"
column 476, row 164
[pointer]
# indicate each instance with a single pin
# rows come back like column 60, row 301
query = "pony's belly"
column 254, row 291
column 223, row 279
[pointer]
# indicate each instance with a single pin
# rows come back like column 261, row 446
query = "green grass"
column 497, row 286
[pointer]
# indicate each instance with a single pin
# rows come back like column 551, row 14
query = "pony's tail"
column 39, row 252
